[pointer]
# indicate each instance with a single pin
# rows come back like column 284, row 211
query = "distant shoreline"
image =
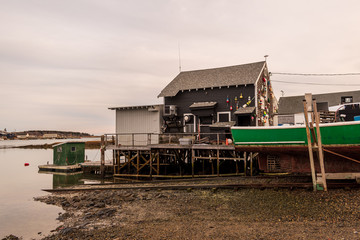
column 88, row 145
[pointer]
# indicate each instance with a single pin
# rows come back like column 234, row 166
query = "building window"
column 73, row 149
column 223, row 116
column 170, row 110
column 347, row 99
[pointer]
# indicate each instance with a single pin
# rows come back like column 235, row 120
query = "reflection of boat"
column 332, row 134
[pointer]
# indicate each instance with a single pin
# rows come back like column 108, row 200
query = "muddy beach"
column 207, row 214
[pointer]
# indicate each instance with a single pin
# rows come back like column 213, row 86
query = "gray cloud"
column 63, row 63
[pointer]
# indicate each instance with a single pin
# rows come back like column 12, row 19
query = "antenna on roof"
column 266, row 56
column 179, row 57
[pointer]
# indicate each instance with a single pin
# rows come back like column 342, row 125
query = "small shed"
column 69, row 153
column 134, row 124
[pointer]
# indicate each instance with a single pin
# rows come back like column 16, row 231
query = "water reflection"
column 19, row 213
column 65, row 179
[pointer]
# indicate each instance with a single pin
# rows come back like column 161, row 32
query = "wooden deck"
column 174, row 160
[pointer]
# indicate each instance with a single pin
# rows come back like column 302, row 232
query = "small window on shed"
column 73, row 149
column 59, row 149
column 348, row 99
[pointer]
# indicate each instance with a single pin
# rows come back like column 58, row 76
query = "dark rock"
column 11, row 237
column 99, row 205
column 107, row 212
column 83, row 225
column 90, row 204
column 65, row 203
column 64, row 216
column 76, row 199
column 66, row 230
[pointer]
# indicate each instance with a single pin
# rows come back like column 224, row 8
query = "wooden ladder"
column 314, row 142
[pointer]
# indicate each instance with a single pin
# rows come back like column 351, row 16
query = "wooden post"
column 192, row 162
column 251, row 164
column 236, row 167
column 133, row 139
column 245, row 163
column 137, row 163
column 218, row 139
column 152, row 156
column 128, row 161
column 118, row 161
column 218, row 162
column 102, row 163
column 203, row 164
column 114, row 160
column 320, row 150
column 158, row 163
column 116, row 140
column 311, row 155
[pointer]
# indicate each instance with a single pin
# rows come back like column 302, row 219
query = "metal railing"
column 145, row 139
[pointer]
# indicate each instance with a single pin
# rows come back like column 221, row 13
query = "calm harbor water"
column 19, row 213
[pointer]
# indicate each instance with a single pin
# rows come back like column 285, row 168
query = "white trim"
column 288, row 142
column 300, row 126
column 256, row 91
column 217, row 115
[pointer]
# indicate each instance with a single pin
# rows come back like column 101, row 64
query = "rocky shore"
column 207, row 214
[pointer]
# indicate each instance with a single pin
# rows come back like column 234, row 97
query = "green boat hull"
column 342, row 133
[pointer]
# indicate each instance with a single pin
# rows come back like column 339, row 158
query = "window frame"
column 218, row 115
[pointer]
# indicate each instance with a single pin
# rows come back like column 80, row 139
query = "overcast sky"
column 64, row 62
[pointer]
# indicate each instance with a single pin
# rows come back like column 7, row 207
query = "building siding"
column 184, row 99
column 138, row 121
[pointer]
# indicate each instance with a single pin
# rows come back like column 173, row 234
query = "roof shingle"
column 215, row 77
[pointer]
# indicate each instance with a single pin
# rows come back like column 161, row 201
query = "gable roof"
column 215, row 77
column 294, row 104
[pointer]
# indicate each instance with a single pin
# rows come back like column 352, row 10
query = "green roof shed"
column 69, row 153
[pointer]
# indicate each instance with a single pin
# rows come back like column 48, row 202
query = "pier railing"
column 145, row 139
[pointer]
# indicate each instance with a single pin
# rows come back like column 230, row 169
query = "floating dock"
column 95, row 167
column 63, row 169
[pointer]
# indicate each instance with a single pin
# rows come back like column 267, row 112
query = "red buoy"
column 26, row 164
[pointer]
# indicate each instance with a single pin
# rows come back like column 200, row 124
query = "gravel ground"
column 207, row 214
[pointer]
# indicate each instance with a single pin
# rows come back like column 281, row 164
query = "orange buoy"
column 26, row 164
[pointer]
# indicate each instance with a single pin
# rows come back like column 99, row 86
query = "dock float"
column 56, row 168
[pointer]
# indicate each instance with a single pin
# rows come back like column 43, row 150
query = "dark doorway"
column 244, row 120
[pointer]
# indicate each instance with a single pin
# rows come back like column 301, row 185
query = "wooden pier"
column 171, row 159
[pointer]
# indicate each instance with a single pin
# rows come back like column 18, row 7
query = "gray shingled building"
column 291, row 109
column 209, row 99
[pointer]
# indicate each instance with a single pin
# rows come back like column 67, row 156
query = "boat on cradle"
column 340, row 134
